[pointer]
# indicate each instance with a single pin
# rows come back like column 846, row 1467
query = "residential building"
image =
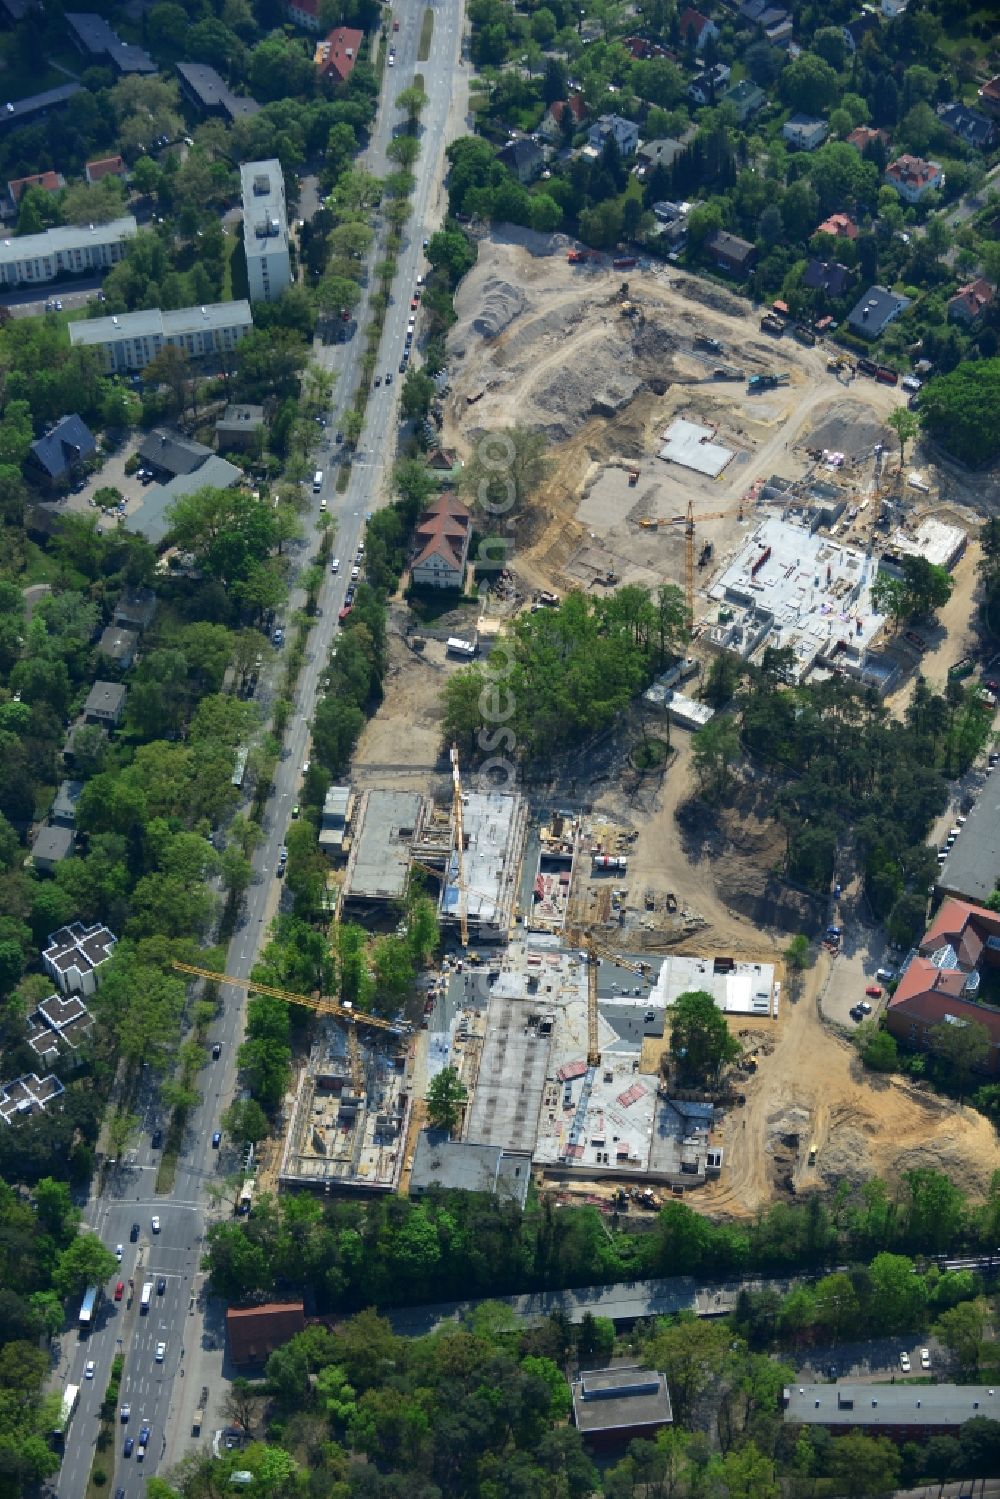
column 553, row 124
column 773, row 20
column 68, row 250
column 58, row 1022
column 524, row 158
column 49, row 182
column 854, row 33
column 265, row 229
column 839, row 224
column 50, row 846
column 56, row 457
column 696, row 29
column 864, row 135
column 28, row 1094
column 105, row 704
column 118, row 646
column 169, row 453
column 63, row 810
column 209, row 93
column 151, row 516
column 829, row 276
column 975, row 129
column 74, row 955
column 672, row 219
column 642, row 49
column 254, row 1332
column 240, row 429
column 136, row 608
column 903, row 1412
column 441, row 543
column 730, row 253
column 912, row 177
column 876, row 310
column 462, row 1166
column 129, row 340
column 105, row 166
column 335, row 58
column 305, row 13
column 971, row 301
column 972, row 869
column 23, row 111
column 989, row 96
column 892, row 8
column 91, row 35
column 746, row 98
column 625, row 134
column 941, row 983
column 659, row 153
column 443, row 460
column 613, row 1406
column 704, row 87
column 805, row 132
column 333, row 824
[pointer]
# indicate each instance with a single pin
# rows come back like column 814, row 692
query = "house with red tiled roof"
column 970, row 302
column 840, row 225
column 642, row 49
column 254, row 1332
column 50, row 182
column 864, row 136
column 553, row 121
column 912, row 177
column 696, row 27
column 107, row 166
column 441, row 543
column 989, row 96
column 942, row 983
column 335, row 58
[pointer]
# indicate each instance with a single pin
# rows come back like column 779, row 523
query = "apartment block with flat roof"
column 71, row 249
column 131, row 340
column 265, row 230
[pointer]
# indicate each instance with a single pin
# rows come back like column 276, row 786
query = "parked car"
column 904, row 1362
column 925, row 1358
column 216, row 1140
column 885, row 975
column 873, row 991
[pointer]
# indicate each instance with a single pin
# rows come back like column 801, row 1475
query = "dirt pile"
column 574, row 393
column 709, row 295
column 844, row 428
column 501, row 304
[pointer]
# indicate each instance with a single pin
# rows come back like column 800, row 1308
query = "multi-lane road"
column 165, row 1395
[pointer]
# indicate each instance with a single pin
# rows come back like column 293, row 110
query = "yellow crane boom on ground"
column 458, row 830
column 594, row 952
column 320, row 1003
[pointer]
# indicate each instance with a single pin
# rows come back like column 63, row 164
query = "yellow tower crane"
column 688, row 521
column 594, row 952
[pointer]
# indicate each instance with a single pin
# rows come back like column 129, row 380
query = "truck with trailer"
column 70, row 1401
column 766, row 382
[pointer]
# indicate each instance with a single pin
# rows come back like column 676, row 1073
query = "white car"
column 156, row 1223
column 392, row 61
column 126, row 1412
column 335, row 565
column 119, row 1251
column 925, row 1358
column 161, row 1349
column 355, row 573
column 88, row 1369
column 904, row 1362
column 305, row 767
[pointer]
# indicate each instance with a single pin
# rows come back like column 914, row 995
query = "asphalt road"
column 165, row 1395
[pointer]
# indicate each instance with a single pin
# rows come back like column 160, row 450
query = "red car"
column 344, row 612
column 873, row 991
column 119, row 1290
column 395, row 25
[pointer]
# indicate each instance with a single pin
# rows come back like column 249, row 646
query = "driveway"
column 112, row 473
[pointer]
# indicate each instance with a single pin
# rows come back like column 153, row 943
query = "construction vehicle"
column 728, row 372
column 649, row 523
column 671, row 902
column 712, row 344
column 705, row 555
column 581, row 257
column 199, row 1415
column 623, row 262
column 771, row 324
column 767, row 382
column 321, row 1003
column 961, row 669
column 804, row 335
column 835, row 364
column 633, row 477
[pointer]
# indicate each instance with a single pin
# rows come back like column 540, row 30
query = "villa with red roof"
column 941, row 983
column 696, row 27
column 335, row 58
column 912, row 177
column 840, row 225
column 443, row 534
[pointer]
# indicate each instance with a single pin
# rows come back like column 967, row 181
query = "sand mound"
column 501, row 304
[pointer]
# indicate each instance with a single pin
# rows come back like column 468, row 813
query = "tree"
column 904, row 423
column 876, row 1047
column 962, row 1329
column 446, row 1095
column 700, row 1042
column 963, row 1049
column 796, row 954
column 84, row 1262
column 809, row 83
column 714, row 749
column 898, row 1294
column 245, row 1120
column 418, row 393
column 863, row 1466
column 959, row 409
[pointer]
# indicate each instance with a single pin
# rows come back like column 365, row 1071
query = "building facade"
column 265, row 230
column 130, row 340
column 66, row 251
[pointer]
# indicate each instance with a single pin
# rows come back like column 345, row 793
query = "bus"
column 88, row 1307
column 71, row 1396
column 146, row 1298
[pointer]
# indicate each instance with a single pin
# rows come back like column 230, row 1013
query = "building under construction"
column 485, row 880
column 348, row 1122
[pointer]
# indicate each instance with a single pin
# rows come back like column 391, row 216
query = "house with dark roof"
column 828, row 276
column 105, row 704
column 335, row 58
column 611, row 1407
column 696, row 28
column 972, row 868
column 92, row 35
column 136, row 608
column 805, row 132
column 441, row 543
column 903, row 1412
column 169, row 453
column 971, row 301
column 118, row 646
column 989, row 96
column 210, row 94
column 63, row 809
column 524, row 158
column 941, row 983
column 56, row 457
column 49, row 182
column 27, row 1095
column 704, row 87
column 20, row 111
column 304, row 13
column 746, row 97
column 624, row 133
column 876, row 310
column 61, row 1022
column 854, row 33
column 969, row 125
column 659, row 153
column 51, row 845
column 730, row 253
column 254, row 1332
column 74, row 955
column 240, row 429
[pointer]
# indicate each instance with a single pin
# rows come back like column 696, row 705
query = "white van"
column 147, row 1296
column 317, row 481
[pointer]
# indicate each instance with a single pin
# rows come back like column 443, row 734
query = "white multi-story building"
column 70, row 249
column 129, row 340
column 265, row 230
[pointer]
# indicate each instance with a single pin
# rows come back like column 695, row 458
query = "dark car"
column 216, row 1140
column 340, row 436
column 127, row 1452
column 157, row 1139
column 136, row 1230
column 144, row 1435
column 388, row 378
column 402, row 366
column 216, row 1051
column 161, row 1285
